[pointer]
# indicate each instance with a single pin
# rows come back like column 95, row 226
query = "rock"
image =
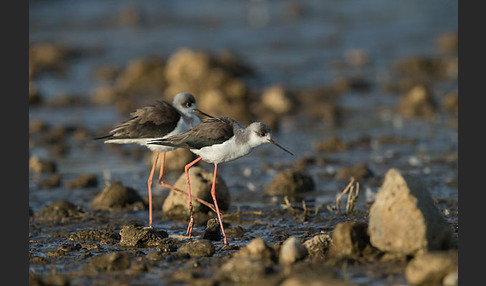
column 56, row 135
column 450, row 103
column 277, row 99
column 212, row 231
column 290, row 183
column 215, row 80
column 234, row 232
column 318, row 246
column 115, row 197
column 109, row 262
column 82, row 181
column 48, row 57
column 451, row 279
column 291, row 251
column 359, row 172
column 332, row 145
column 168, row 245
column 420, row 69
column 105, row 95
column 52, row 181
column 142, row 76
column 140, row 236
column 37, row 126
column 448, row 42
column 65, row 100
column 350, row 239
column 424, row 229
column 258, row 249
column 198, row 248
column 418, row 103
column 38, row 165
column 154, row 256
column 59, row 211
column 106, row 237
column 432, row 268
column 244, row 269
column 65, row 249
column 49, row 279
column 201, row 182
column 106, row 72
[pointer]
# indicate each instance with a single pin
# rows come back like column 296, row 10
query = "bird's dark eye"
column 189, row 104
column 263, row 134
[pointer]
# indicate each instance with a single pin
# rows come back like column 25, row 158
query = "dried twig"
column 287, row 205
column 353, row 191
column 343, row 193
column 352, row 198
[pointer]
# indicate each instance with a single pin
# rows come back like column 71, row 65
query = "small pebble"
column 291, row 251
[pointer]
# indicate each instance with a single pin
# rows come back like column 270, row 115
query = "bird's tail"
column 103, row 137
column 160, row 141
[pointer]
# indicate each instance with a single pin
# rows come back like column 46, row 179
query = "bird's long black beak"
column 203, row 113
column 276, row 144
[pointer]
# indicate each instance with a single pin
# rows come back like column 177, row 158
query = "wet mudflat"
column 379, row 118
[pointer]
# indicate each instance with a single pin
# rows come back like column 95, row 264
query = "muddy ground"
column 349, row 110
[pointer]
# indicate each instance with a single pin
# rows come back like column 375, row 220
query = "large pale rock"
column 201, row 182
column 432, row 268
column 404, row 220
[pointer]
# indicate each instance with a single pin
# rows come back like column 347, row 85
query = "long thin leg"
column 162, row 164
column 191, row 219
column 149, row 182
column 213, row 194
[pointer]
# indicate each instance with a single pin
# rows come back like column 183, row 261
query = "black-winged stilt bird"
column 217, row 140
column 158, row 120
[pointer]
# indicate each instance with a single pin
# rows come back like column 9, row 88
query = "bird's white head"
column 260, row 133
column 185, row 103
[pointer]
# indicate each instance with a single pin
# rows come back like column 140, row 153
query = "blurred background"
column 352, row 88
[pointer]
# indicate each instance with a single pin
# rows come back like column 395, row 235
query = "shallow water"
column 300, row 44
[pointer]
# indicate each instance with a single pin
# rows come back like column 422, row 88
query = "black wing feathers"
column 147, row 122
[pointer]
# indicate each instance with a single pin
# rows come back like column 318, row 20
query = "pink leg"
column 162, row 163
column 213, row 194
column 149, row 182
column 191, row 219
